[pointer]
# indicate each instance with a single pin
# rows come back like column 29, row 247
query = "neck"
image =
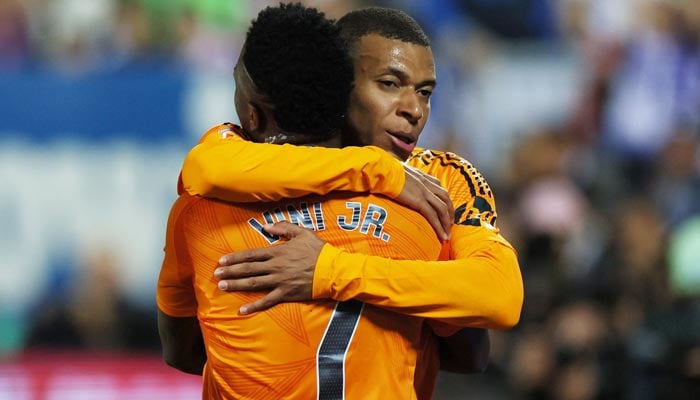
column 281, row 137
column 333, row 141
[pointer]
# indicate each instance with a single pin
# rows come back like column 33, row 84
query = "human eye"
column 425, row 92
column 388, row 83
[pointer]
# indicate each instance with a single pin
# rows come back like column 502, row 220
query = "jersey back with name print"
column 306, row 350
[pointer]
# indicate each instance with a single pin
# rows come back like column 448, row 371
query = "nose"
column 410, row 107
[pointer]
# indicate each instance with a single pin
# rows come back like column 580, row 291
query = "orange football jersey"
column 479, row 286
column 478, row 283
column 320, row 349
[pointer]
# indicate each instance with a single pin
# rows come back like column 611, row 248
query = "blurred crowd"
column 601, row 198
column 80, row 37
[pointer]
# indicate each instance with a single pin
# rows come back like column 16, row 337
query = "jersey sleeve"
column 481, row 287
column 477, row 285
column 175, row 295
column 473, row 199
column 228, row 167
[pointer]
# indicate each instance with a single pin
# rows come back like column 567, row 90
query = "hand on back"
column 424, row 194
column 285, row 270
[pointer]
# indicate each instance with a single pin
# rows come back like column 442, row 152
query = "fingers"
column 250, row 255
column 432, row 212
column 246, row 284
column 423, row 176
column 443, row 217
column 445, row 209
column 433, row 184
column 423, row 193
column 243, row 270
column 439, row 200
column 262, row 304
column 444, row 195
column 284, row 229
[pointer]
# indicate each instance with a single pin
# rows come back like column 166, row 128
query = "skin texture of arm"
column 182, row 342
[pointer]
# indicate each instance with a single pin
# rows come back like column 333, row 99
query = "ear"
column 256, row 118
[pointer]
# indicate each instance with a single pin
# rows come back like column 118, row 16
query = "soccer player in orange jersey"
column 323, row 349
column 480, row 286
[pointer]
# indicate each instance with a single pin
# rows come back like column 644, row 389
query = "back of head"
column 297, row 59
column 386, row 22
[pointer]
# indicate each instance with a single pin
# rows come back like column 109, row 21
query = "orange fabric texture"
column 275, row 354
column 226, row 166
column 480, row 287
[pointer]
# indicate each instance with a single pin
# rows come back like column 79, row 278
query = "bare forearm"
column 182, row 342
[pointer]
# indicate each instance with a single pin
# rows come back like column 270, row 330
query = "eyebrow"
column 401, row 74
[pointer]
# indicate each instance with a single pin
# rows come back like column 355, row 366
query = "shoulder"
column 441, row 160
column 472, row 196
column 188, row 211
column 223, row 131
column 179, row 213
column 452, row 170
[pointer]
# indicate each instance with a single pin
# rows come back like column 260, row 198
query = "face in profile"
column 390, row 102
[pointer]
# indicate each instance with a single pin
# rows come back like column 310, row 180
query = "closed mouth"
column 402, row 137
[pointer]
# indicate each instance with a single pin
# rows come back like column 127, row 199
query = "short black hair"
column 386, row 22
column 296, row 57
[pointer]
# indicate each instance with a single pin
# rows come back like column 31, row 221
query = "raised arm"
column 226, row 166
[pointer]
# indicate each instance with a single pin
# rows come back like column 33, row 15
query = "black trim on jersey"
column 480, row 203
column 334, row 346
column 445, row 159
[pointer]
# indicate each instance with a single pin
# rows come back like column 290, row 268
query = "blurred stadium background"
column 583, row 115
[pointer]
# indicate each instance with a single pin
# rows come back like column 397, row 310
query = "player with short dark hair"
column 324, row 349
column 480, row 286
column 309, row 92
column 385, row 22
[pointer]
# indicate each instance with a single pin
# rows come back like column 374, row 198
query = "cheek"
column 369, row 113
column 377, row 108
column 426, row 115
